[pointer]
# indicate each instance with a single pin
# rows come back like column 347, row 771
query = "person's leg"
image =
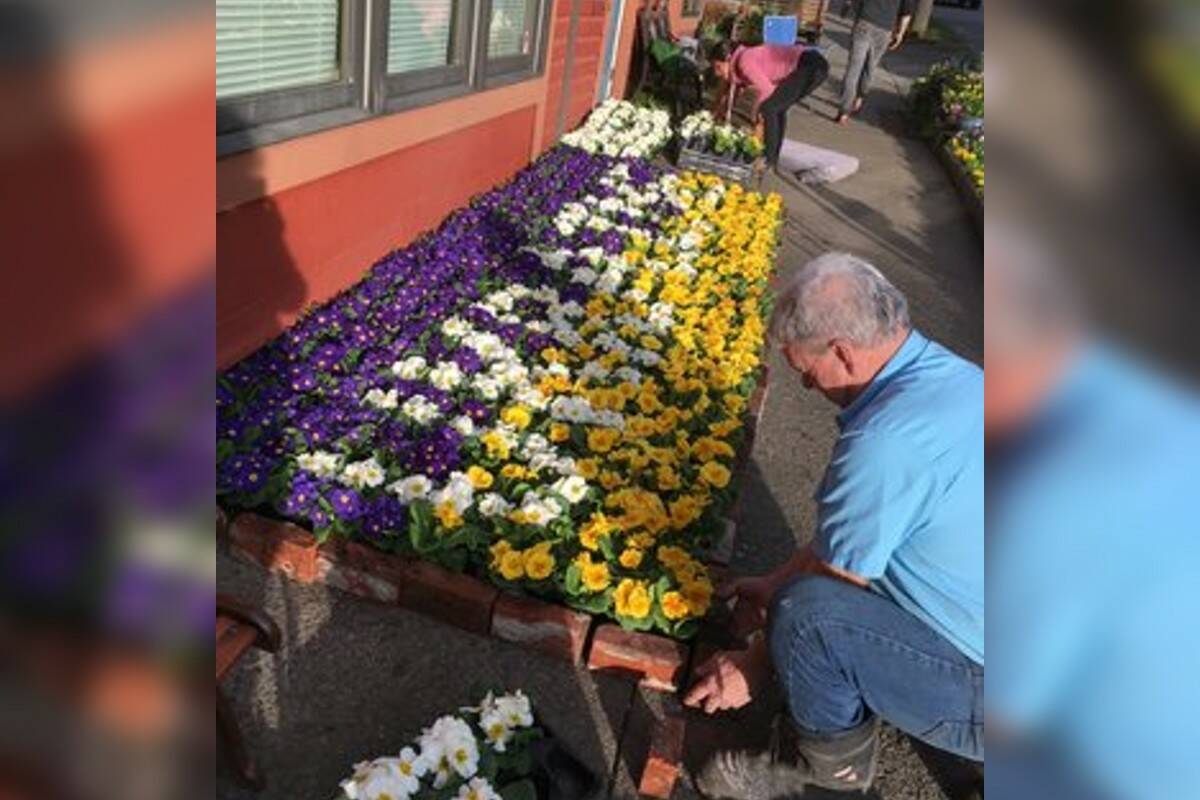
column 811, row 70
column 842, row 654
column 860, row 50
column 877, row 43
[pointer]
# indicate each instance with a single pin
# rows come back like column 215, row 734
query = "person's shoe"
column 842, row 118
column 858, row 104
column 843, row 762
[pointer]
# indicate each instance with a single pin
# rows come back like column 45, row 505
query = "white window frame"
column 365, row 89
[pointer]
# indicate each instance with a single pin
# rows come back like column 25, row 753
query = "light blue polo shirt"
column 901, row 503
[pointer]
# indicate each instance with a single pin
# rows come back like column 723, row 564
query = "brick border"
column 554, row 630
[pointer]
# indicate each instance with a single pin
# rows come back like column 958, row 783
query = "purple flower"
column 346, row 503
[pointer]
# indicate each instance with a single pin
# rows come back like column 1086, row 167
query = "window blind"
column 275, row 44
column 419, row 35
column 506, row 34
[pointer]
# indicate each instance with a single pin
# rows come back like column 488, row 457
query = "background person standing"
column 879, row 26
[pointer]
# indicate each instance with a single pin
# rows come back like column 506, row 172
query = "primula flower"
column 594, row 576
column 631, row 558
column 480, row 478
column 632, row 599
column 538, row 561
column 477, row 789
column 715, row 474
column 674, row 605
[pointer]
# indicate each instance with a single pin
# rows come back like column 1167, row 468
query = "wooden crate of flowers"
column 721, row 150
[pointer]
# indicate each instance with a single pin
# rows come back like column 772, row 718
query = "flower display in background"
column 547, row 391
column 619, row 128
column 464, row 756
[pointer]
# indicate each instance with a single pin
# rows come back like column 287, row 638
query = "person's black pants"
column 810, row 72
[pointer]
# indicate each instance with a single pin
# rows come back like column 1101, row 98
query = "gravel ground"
column 354, row 680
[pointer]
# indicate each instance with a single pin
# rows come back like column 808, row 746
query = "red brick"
column 663, row 760
column 361, row 570
column 657, row 662
column 552, row 629
column 459, row 600
column 702, row 651
column 278, row 546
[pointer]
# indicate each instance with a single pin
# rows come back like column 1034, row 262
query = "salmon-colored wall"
column 585, row 66
column 277, row 254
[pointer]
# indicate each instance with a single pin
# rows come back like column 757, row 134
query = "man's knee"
column 805, row 602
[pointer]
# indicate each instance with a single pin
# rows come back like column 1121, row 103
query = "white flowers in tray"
column 701, row 132
column 481, row 753
column 621, row 129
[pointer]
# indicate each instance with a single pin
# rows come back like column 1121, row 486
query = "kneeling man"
column 881, row 617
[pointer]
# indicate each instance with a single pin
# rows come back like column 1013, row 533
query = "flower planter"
column 738, row 171
column 971, row 198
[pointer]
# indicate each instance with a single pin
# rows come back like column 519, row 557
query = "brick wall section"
column 585, row 65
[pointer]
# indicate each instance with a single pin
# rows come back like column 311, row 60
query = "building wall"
column 301, row 220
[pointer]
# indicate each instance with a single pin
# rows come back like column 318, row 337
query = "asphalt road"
column 967, row 23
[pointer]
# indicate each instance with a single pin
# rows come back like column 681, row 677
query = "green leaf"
column 420, row 527
column 521, row 790
column 573, row 585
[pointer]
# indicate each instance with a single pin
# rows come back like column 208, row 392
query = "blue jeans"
column 842, row 653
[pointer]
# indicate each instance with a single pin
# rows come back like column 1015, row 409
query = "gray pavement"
column 355, row 680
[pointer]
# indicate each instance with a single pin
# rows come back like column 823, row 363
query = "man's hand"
column 729, row 680
column 753, row 597
column 896, row 40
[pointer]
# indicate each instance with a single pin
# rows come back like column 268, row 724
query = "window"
column 289, row 67
column 691, row 8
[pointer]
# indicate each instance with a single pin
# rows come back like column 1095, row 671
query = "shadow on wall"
column 259, row 287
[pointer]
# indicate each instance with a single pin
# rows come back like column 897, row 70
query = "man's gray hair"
column 838, row 296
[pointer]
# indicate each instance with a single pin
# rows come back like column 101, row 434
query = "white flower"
column 493, row 505
column 502, row 300
column 420, row 410
column 486, row 387
column 320, row 463
column 574, row 488
column 456, row 327
column 463, row 424
column 380, row 399
column 458, row 492
column 477, row 789
column 414, row 487
column 446, row 375
column 386, row 778
column 363, row 474
column 448, row 746
column 410, row 369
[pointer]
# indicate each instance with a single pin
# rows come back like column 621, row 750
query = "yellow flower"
column 448, row 516
column 513, row 471
column 631, row 558
column 560, row 432
column 588, row 467
column 674, row 605
column 672, row 557
column 666, row 477
column 512, row 565
column 499, row 550
column 632, row 599
column 597, row 526
column 715, row 474
column 538, row 561
column 610, row 480
column 496, row 445
column 601, row 440
column 595, row 577
column 479, row 477
column 518, row 416
column 698, row 595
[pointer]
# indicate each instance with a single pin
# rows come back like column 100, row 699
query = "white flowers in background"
column 696, row 125
column 501, row 716
column 486, row 387
column 320, row 463
column 619, row 128
column 363, row 474
column 538, row 511
column 414, row 487
column 386, row 778
column 477, row 789
column 448, row 747
column 463, row 424
column 446, row 375
column 420, row 410
column 493, row 505
column 456, row 327
column 410, row 369
column 380, row 399
column 458, row 492
column 574, row 488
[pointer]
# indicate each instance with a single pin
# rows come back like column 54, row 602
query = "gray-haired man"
column 879, row 26
column 882, row 615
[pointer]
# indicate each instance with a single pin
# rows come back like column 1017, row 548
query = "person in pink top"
column 781, row 76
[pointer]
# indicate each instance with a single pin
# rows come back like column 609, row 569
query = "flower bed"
column 481, row 753
column 546, row 392
column 946, row 106
column 621, row 129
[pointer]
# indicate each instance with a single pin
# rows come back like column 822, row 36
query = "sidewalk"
column 354, row 680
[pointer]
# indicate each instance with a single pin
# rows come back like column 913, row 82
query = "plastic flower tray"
column 728, row 169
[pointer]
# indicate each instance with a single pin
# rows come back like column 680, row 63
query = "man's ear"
column 844, row 353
